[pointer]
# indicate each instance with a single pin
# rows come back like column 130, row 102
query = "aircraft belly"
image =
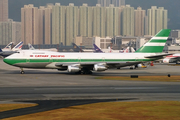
column 31, row 65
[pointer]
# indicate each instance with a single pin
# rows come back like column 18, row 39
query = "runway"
column 52, row 85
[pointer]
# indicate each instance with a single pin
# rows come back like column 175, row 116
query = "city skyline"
column 69, row 22
column 171, row 6
column 59, row 24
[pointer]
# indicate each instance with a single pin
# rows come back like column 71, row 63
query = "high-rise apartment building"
column 5, row 32
column 157, row 19
column 10, row 31
column 128, row 21
column 103, row 20
column 112, row 21
column 48, row 24
column 45, row 18
column 3, row 10
column 106, row 3
column 139, row 21
column 58, row 24
column 41, row 24
column 16, row 32
column 120, row 11
column 90, row 21
column 109, row 22
column 83, row 20
column 72, row 20
column 97, row 20
column 30, row 26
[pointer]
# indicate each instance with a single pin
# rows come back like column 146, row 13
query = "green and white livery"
column 87, row 62
column 156, row 44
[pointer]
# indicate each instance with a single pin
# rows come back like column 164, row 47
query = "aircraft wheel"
column 86, row 72
column 131, row 68
column 22, row 72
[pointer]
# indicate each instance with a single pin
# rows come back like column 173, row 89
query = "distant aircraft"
column 97, row 49
column 6, row 52
column 172, row 59
column 32, row 48
column 85, row 63
column 18, row 46
column 8, row 47
column 77, row 48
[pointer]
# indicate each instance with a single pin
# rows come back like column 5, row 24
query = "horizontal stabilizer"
column 158, row 56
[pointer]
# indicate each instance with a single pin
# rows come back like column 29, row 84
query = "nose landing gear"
column 22, row 71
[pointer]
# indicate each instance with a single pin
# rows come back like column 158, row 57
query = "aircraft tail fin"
column 132, row 50
column 18, row 46
column 76, row 48
column 30, row 47
column 97, row 49
column 9, row 46
column 156, row 44
column 126, row 50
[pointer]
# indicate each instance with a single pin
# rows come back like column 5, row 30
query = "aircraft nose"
column 8, row 61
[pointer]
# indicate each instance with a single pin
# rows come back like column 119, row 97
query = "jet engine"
column 100, row 67
column 169, row 61
column 166, row 60
column 73, row 68
column 139, row 65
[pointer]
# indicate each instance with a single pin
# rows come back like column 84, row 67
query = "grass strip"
column 143, row 78
column 154, row 110
column 7, row 107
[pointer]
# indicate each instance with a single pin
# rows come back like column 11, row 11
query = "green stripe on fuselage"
column 17, row 61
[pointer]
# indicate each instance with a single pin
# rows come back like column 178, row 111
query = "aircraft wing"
column 107, row 64
column 158, row 56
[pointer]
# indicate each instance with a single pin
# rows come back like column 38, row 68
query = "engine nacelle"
column 169, row 61
column 100, row 67
column 139, row 65
column 73, row 69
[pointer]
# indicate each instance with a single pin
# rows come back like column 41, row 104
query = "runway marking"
column 123, row 88
column 139, row 88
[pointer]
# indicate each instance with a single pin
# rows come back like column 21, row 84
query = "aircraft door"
column 103, row 59
column 79, row 60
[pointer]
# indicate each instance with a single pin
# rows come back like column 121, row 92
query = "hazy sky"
column 173, row 7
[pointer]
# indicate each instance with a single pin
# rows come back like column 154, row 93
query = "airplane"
column 77, row 48
column 8, row 47
column 97, row 49
column 175, row 58
column 32, row 48
column 7, row 52
column 18, row 46
column 85, row 63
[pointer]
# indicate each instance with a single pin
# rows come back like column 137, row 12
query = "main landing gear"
column 84, row 72
column 22, row 71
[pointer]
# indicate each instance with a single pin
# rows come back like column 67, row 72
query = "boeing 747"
column 85, row 63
